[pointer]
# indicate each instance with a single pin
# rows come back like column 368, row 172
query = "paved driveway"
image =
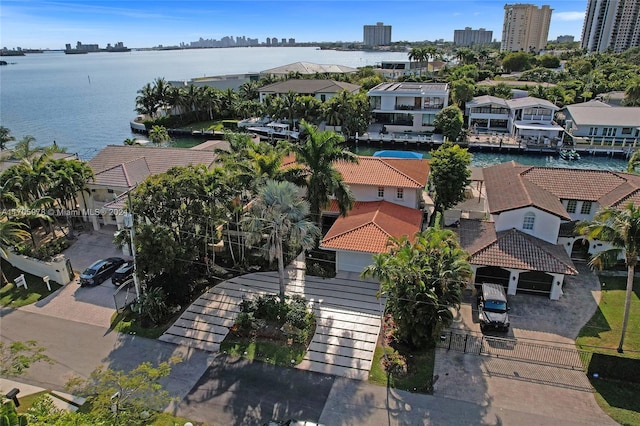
column 90, row 305
column 526, row 386
column 347, row 311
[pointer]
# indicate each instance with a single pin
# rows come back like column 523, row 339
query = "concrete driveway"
column 90, row 305
column 526, row 386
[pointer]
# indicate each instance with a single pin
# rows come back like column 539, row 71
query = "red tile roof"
column 125, row 175
column 575, row 184
column 512, row 249
column 377, row 171
column 369, row 225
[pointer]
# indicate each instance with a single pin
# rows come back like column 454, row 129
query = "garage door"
column 353, row 261
column 492, row 274
column 535, row 282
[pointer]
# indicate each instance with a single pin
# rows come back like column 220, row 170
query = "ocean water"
column 85, row 102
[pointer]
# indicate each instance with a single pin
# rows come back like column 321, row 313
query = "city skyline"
column 39, row 24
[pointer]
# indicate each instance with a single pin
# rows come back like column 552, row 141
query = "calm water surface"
column 85, row 102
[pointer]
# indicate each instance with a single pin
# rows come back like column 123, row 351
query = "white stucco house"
column 528, row 239
column 601, row 124
column 408, row 106
column 319, row 89
column 389, row 195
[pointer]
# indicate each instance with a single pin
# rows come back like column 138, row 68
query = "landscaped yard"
column 14, row 297
column 414, row 372
column 602, row 334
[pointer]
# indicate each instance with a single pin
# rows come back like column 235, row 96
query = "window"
column 323, row 98
column 529, row 220
column 381, row 192
column 586, row 207
column 627, row 131
column 571, row 206
column 593, row 131
column 400, row 193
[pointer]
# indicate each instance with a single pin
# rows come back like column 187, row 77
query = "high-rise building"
column 611, row 25
column 565, row 39
column 525, row 27
column 469, row 37
column 377, row 35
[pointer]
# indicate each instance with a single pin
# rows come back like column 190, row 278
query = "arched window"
column 529, row 220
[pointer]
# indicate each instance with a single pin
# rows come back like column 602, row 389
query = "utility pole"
column 129, row 222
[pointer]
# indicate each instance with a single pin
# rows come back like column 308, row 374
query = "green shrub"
column 245, row 321
column 46, row 250
column 298, row 315
column 269, row 308
column 230, row 124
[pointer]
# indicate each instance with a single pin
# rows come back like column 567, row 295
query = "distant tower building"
column 565, row 39
column 611, row 24
column 292, row 41
column 525, row 27
column 377, row 35
column 274, row 41
column 469, row 37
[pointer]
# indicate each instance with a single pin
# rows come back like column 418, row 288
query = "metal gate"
column 516, row 349
column 124, row 295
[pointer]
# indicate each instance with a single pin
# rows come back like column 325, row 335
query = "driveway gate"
column 516, row 349
column 125, row 295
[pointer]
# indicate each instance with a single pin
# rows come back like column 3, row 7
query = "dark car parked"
column 493, row 308
column 123, row 273
column 100, row 271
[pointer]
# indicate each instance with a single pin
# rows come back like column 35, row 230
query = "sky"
column 37, row 24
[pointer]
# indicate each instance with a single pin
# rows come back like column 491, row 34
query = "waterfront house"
column 319, row 89
column 528, row 119
column 390, row 202
column 119, row 168
column 408, row 106
column 527, row 240
column 600, row 124
column 308, row 68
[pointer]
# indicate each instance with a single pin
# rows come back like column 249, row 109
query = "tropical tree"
column 450, row 121
column 450, row 175
column 11, row 233
column 632, row 92
column 462, row 91
column 279, row 215
column 24, row 148
column 129, row 141
column 422, row 277
column 5, row 136
column 146, row 102
column 317, row 154
column 159, row 134
column 620, row 227
column 249, row 90
column 516, row 61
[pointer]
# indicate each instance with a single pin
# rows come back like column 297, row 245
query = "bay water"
column 85, row 102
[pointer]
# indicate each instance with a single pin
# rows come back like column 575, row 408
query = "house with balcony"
column 600, row 124
column 390, row 202
column 528, row 238
column 119, row 168
column 319, row 89
column 528, row 119
column 408, row 106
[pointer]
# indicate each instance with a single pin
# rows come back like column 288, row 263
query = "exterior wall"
column 351, row 261
column 99, row 197
column 411, row 197
column 611, row 24
column 596, row 131
column 469, row 37
column 546, row 225
column 376, row 35
column 57, row 270
column 579, row 204
column 525, row 27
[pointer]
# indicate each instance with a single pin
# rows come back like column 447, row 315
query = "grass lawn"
column 419, row 369
column 619, row 400
column 602, row 332
column 267, row 351
column 14, row 297
column 128, row 323
column 215, row 125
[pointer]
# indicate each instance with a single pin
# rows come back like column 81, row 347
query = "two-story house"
column 528, row 240
column 408, row 106
column 319, row 89
column 389, row 201
column 598, row 123
column 527, row 118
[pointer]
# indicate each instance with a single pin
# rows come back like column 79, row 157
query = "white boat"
column 570, row 155
column 275, row 130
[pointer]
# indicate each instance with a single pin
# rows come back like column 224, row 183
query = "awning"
column 534, row 126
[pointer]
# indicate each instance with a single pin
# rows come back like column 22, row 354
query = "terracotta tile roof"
column 125, row 175
column 512, row 249
column 369, row 225
column 119, row 203
column 574, row 184
column 378, row 171
column 508, row 190
column 159, row 160
column 309, row 86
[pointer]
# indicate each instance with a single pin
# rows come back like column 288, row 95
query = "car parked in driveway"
column 493, row 308
column 100, row 271
column 123, row 273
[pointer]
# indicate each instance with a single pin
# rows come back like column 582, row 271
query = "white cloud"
column 568, row 16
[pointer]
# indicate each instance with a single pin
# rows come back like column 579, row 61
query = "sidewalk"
column 61, row 400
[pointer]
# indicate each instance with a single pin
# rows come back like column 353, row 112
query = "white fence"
column 59, row 269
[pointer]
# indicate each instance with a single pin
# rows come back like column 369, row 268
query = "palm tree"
column 422, row 278
column 632, row 92
column 130, row 141
column 146, row 102
column 10, row 233
column 23, row 149
column 317, row 153
column 159, row 134
column 5, row 136
column 621, row 229
column 417, row 54
column 249, row 90
column 634, row 162
column 279, row 215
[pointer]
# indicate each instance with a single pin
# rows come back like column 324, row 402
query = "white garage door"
column 353, row 261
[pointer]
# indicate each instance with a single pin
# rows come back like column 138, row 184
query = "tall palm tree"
column 279, row 215
column 621, row 229
column 632, row 92
column 5, row 136
column 417, row 54
column 146, row 102
column 249, row 90
column 430, row 52
column 159, row 134
column 24, row 148
column 317, row 153
column 10, row 233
